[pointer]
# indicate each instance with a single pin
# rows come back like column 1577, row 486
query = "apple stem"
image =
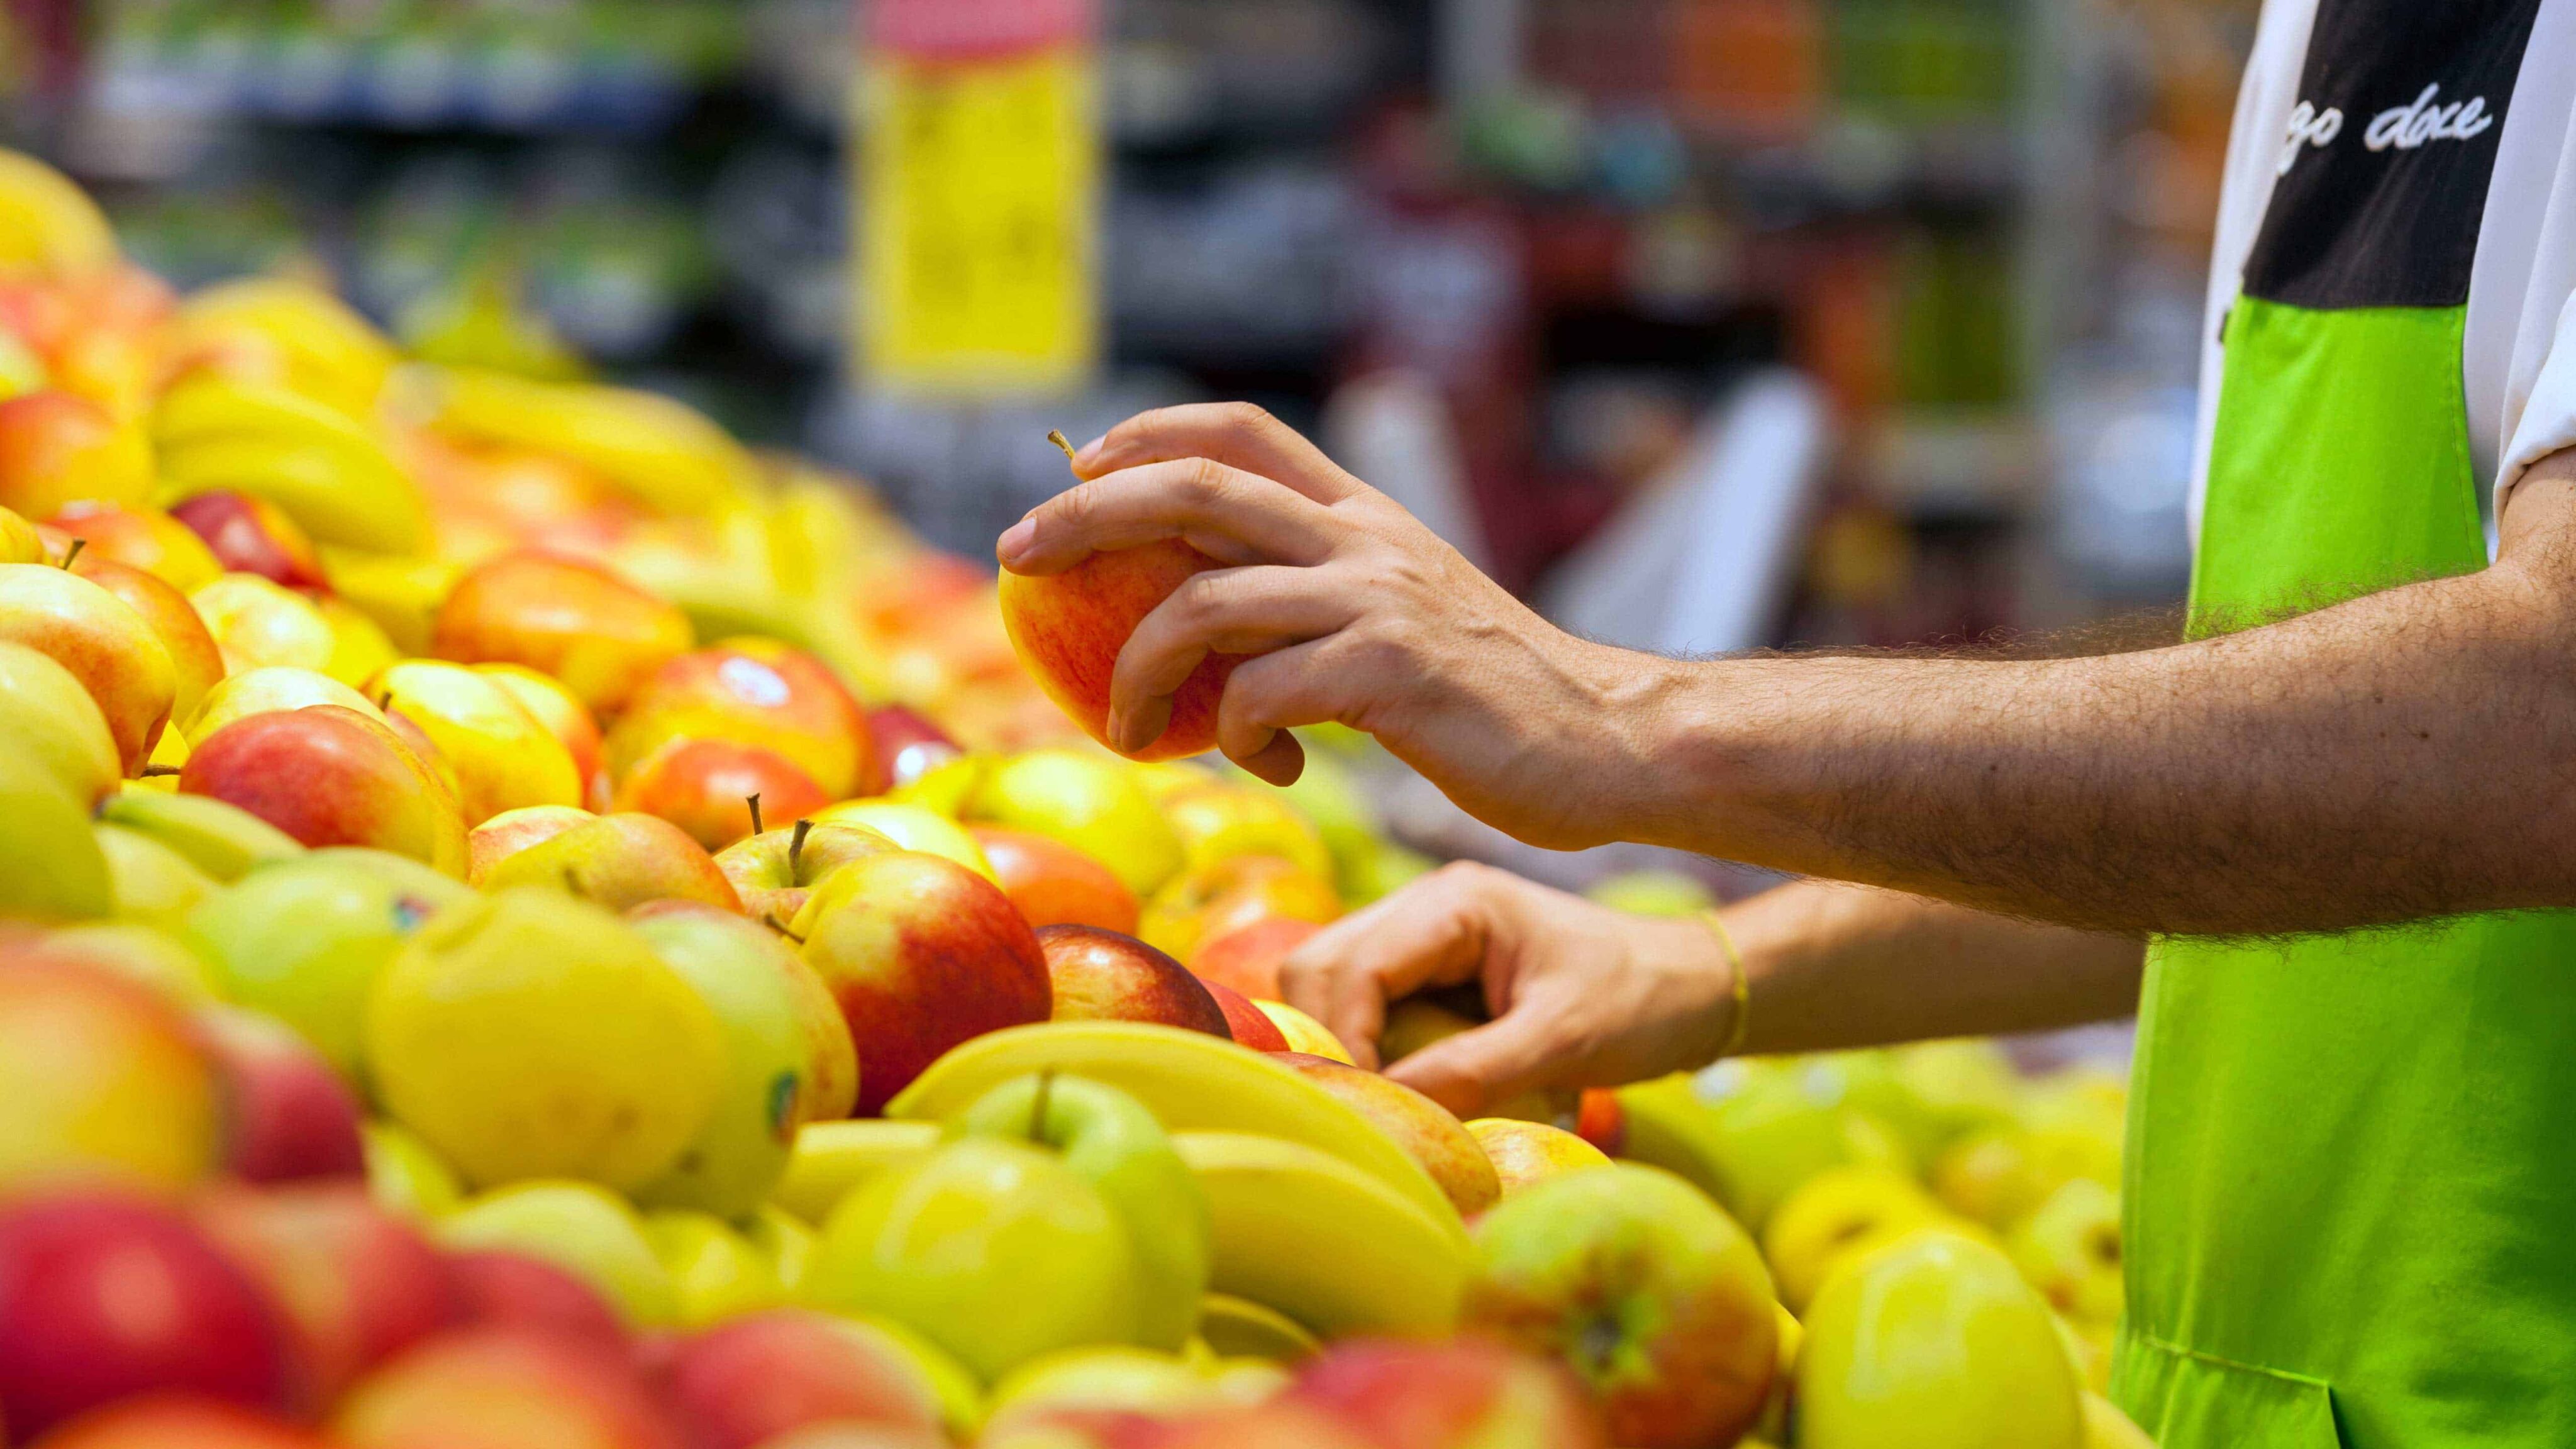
column 1057, row 437
column 155, row 772
column 796, row 843
column 74, row 551
column 1038, row 1105
column 771, row 921
column 572, row 883
column 753, row 800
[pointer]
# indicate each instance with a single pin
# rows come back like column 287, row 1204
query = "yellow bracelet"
column 1742, row 1025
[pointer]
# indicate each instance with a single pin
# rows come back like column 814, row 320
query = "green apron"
column 2351, row 1203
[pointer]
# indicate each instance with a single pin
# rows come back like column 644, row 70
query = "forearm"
column 1843, row 966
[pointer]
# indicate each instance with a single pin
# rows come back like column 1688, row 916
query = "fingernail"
column 1084, row 455
column 1016, row 539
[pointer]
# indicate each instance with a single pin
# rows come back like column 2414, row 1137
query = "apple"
column 1304, row 1033
column 1245, row 1021
column 706, row 788
column 259, row 625
column 1095, row 805
column 1116, row 1379
column 57, row 450
column 783, row 1240
column 745, row 1383
column 1600, row 1120
column 153, row 883
column 1991, row 1177
column 49, row 724
column 753, row 692
column 1069, row 627
column 512, row 831
column 196, row 664
column 1282, row 1424
column 530, row 1034
column 360, row 648
column 496, row 1386
column 1247, row 958
column 353, row 1284
column 908, row 746
column 1217, row 819
column 1212, row 901
column 248, row 535
column 1110, row 1141
column 293, row 1116
column 1934, row 1339
column 830, row 1158
column 716, row 1273
column 2069, row 1249
column 994, row 1250
column 102, row 1078
column 580, row 1227
column 576, row 621
column 104, row 1296
column 777, row 870
column 922, row 954
column 913, row 827
column 1451, row 1396
column 58, row 870
column 179, row 1421
column 143, row 538
column 108, row 647
column 1525, row 1154
column 828, row 1072
column 1689, row 1356
column 620, row 861
column 497, row 1287
column 1834, row 1215
column 266, row 691
column 145, row 955
column 1103, row 976
column 406, row 1175
column 753, row 984
column 1750, row 1132
column 1054, row 884
column 1422, row 1127
column 305, row 939
column 505, row 758
column 558, row 710
column 328, row 775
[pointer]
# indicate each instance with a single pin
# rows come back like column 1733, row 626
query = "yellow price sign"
column 979, row 177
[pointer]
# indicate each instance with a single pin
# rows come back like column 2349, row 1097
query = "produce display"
column 524, row 923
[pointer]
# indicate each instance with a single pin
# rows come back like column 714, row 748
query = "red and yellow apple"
column 248, row 535
column 1211, row 901
column 142, row 538
column 512, row 831
column 57, row 450
column 261, row 625
column 575, row 621
column 706, row 786
column 1069, row 627
column 1101, row 975
column 1245, row 1021
column 1095, row 804
column 1422, row 1127
column 293, row 1116
column 180, row 1421
column 505, row 758
column 1247, row 957
column 103, row 1079
column 752, row 692
column 1407, row 1395
column 472, row 1386
column 744, row 1383
column 619, row 861
column 1054, row 884
column 108, row 647
column 559, row 711
column 502, row 1288
column 197, row 665
column 1525, row 1154
column 328, row 775
column 776, row 871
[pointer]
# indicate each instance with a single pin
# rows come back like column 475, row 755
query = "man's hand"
column 1581, row 995
column 1359, row 613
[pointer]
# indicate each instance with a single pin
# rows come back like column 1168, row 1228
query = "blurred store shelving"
column 1977, row 222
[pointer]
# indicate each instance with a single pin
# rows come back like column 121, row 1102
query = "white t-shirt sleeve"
column 2548, row 422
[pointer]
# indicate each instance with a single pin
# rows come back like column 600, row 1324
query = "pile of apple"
column 474, row 974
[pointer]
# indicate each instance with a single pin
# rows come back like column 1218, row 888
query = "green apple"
column 57, row 870
column 995, row 1250
column 1090, row 802
column 831, row 1159
column 1640, row 1285
column 48, row 719
column 777, row 870
column 716, row 1273
column 1748, row 1133
column 743, row 972
column 305, row 939
column 2069, row 1249
column 225, row 841
column 580, row 1227
column 1113, row 1143
column 1935, row 1342
column 154, row 884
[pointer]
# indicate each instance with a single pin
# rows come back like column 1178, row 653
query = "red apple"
column 503, row 1388
column 1247, row 958
column 1069, row 627
column 776, row 871
column 564, row 617
column 498, row 1288
column 620, row 861
column 1689, row 1357
column 705, row 787
column 179, row 1421
column 102, row 1078
column 353, row 1284
column 1422, row 1127
column 196, row 663
column 1103, row 976
column 921, row 953
column 512, row 831
column 108, row 647
column 143, row 538
column 105, row 1296
column 1601, row 1121
column 1247, row 1023
column 328, row 775
column 751, row 692
column 57, row 449
column 293, row 1116
column 253, row 536
column 1451, row 1396
column 1054, row 884
column 745, row 1382
column 908, row 746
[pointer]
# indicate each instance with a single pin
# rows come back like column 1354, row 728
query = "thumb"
column 1493, row 1063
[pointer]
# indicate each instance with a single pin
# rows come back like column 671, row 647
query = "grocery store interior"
column 1703, row 324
